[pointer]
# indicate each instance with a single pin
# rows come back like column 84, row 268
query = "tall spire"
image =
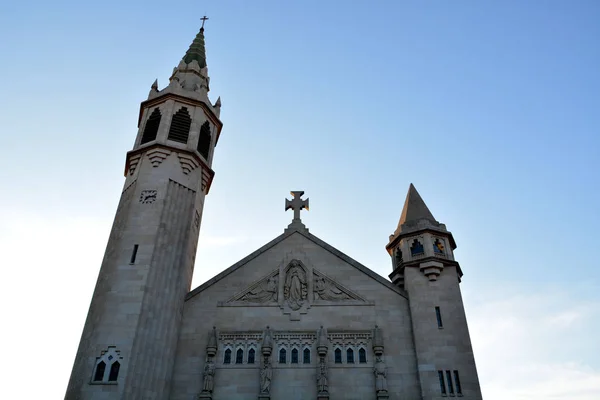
column 414, row 208
column 197, row 50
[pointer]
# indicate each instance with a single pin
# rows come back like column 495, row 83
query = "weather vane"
column 203, row 21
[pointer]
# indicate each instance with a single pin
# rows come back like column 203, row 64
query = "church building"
column 296, row 319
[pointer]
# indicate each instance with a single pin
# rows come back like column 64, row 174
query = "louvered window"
column 151, row 128
column 204, row 140
column 180, row 126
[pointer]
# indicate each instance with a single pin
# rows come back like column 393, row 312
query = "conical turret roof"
column 197, row 50
column 414, row 208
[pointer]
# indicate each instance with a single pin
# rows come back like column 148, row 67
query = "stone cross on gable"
column 296, row 204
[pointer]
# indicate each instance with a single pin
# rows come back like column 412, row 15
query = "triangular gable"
column 327, row 290
column 304, row 232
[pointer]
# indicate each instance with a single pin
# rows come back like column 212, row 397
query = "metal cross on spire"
column 296, row 204
column 204, row 19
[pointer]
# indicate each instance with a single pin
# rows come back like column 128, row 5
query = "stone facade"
column 296, row 319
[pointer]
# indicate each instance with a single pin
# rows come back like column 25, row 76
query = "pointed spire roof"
column 414, row 208
column 197, row 50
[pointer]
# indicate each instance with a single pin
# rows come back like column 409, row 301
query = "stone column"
column 266, row 370
column 379, row 370
column 322, row 373
column 209, row 367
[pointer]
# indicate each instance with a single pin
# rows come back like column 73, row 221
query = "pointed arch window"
column 350, row 356
column 106, row 370
column 204, row 140
column 151, row 128
column 338, row 355
column 239, row 356
column 362, row 355
column 306, row 356
column 251, row 356
column 114, row 372
column 294, row 356
column 100, row 369
column 180, row 126
column 227, row 358
column 282, row 356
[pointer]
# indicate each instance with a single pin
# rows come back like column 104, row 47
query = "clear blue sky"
column 491, row 109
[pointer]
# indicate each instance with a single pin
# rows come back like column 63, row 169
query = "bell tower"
column 423, row 264
column 127, row 348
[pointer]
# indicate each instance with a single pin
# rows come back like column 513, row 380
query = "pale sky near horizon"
column 491, row 109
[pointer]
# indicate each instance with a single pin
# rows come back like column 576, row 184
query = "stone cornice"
column 207, row 173
column 186, row 100
column 417, row 263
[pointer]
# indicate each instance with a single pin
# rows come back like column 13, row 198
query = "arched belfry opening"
column 180, row 126
column 151, row 128
column 204, row 140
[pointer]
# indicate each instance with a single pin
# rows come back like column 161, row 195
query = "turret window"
column 447, row 384
column 204, row 140
column 106, row 370
column 416, row 249
column 180, row 126
column 442, row 383
column 438, row 246
column 398, row 256
column 151, row 128
column 438, row 315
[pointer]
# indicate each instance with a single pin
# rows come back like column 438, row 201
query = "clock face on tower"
column 148, row 196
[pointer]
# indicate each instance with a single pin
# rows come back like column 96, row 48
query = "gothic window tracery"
column 107, row 366
column 204, row 140
column 416, row 249
column 227, row 357
column 239, row 356
column 180, row 126
column 294, row 356
column 251, row 356
column 151, row 128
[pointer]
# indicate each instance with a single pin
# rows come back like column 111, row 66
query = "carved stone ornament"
column 295, row 290
column 266, row 375
column 322, row 341
column 266, row 292
column 322, row 377
column 267, row 342
column 211, row 348
column 380, row 373
column 209, row 377
column 327, row 290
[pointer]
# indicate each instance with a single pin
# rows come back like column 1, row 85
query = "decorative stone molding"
column 431, row 269
column 263, row 292
column 157, row 156
column 133, row 163
column 188, row 164
column 326, row 289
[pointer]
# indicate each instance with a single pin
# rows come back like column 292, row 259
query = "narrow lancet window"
column 457, row 383
column 282, row 356
column 442, row 384
column 204, row 140
column 438, row 315
column 99, row 374
column 449, row 379
column 114, row 372
column 239, row 356
column 350, row 356
column 306, row 356
column 362, row 355
column 151, row 128
column 294, row 356
column 438, row 246
column 251, row 355
column 338, row 356
column 180, row 126
column 134, row 254
column 227, row 359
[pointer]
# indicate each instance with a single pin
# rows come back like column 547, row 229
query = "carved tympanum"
column 264, row 293
column 327, row 290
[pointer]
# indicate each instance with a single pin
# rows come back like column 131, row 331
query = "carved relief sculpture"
column 295, row 290
column 380, row 376
column 209, row 375
column 266, row 374
column 267, row 343
column 322, row 382
column 266, row 292
column 325, row 290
